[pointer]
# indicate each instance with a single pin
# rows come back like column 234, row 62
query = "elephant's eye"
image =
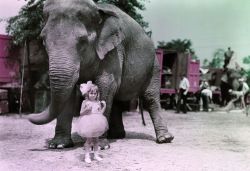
column 79, row 15
column 44, row 44
column 83, row 39
column 82, row 43
column 45, row 16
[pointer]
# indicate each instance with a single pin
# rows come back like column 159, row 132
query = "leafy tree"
column 194, row 56
column 177, row 45
column 27, row 24
column 218, row 59
column 205, row 62
column 246, row 60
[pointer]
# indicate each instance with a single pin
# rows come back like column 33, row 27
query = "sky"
column 209, row 24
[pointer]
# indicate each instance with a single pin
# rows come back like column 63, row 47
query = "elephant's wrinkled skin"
column 98, row 42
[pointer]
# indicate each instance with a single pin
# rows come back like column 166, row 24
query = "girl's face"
column 92, row 95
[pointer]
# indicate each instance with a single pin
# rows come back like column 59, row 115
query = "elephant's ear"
column 110, row 34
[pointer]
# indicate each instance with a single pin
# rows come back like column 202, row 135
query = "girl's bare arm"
column 85, row 109
column 103, row 103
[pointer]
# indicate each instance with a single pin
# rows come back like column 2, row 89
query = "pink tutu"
column 92, row 125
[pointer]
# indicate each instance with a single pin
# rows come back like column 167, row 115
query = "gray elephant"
column 98, row 42
column 229, row 80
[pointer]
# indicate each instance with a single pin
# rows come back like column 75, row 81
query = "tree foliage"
column 246, row 60
column 28, row 23
column 218, row 59
column 177, row 45
column 205, row 62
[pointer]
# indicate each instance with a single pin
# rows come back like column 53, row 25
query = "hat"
column 85, row 87
column 241, row 79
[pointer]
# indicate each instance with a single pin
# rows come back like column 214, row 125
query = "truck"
column 9, row 74
column 173, row 65
column 9, row 64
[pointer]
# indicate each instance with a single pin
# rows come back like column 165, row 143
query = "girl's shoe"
column 97, row 157
column 87, row 158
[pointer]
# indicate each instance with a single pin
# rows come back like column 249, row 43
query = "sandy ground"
column 203, row 141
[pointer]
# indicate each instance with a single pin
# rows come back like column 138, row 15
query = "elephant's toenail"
column 60, row 146
column 52, row 146
column 105, row 147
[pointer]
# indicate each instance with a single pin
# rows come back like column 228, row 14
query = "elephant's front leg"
column 62, row 138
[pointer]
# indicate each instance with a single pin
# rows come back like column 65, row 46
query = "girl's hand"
column 88, row 108
column 103, row 103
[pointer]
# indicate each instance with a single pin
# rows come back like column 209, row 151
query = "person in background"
column 239, row 95
column 228, row 55
column 206, row 95
column 182, row 94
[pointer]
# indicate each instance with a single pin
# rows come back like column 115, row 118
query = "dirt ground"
column 203, row 141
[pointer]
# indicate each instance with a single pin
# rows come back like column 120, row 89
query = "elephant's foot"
column 165, row 138
column 104, row 144
column 60, row 142
column 116, row 134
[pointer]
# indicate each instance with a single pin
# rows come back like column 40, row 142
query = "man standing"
column 182, row 94
column 206, row 95
column 228, row 55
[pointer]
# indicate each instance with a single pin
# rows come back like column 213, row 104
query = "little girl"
column 91, row 123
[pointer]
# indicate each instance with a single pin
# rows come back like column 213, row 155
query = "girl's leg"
column 87, row 146
column 96, row 149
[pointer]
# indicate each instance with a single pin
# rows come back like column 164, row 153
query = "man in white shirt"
column 205, row 95
column 182, row 93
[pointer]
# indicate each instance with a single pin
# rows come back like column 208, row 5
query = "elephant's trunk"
column 64, row 74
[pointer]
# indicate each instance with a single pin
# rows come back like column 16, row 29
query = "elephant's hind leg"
column 151, row 102
column 152, row 105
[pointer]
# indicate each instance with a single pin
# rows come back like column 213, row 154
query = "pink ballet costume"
column 92, row 124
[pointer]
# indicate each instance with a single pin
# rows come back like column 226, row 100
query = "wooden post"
column 22, row 77
column 30, row 87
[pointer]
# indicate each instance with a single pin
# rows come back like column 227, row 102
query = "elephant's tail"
column 141, row 111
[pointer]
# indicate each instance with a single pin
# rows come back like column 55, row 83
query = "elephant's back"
column 137, row 72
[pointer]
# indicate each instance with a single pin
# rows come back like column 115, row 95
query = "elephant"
column 86, row 41
column 226, row 79
column 229, row 80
